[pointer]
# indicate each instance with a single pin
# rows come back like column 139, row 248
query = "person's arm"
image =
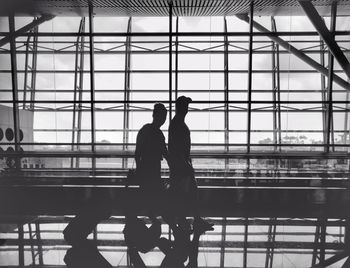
column 165, row 153
column 177, row 136
column 138, row 150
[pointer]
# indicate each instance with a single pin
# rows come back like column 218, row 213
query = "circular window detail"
column 10, row 149
column 9, row 134
column 10, row 161
column 21, row 135
column 1, row 134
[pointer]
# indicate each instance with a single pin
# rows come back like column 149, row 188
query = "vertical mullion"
column 330, row 79
column 245, row 249
column 274, row 86
column 20, row 245
column 250, row 57
column 223, row 242
column 177, row 58
column 226, row 93
column 279, row 123
column 126, row 93
column 170, row 56
column 14, row 88
column 92, row 82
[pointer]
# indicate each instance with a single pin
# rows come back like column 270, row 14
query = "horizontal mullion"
column 68, row 42
column 167, row 101
column 197, row 130
column 195, row 111
column 167, row 34
column 290, row 91
column 98, row 52
column 243, row 71
column 194, row 154
column 193, row 144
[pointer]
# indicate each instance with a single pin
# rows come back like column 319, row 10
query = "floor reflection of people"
column 149, row 152
column 140, row 238
column 85, row 255
column 84, row 252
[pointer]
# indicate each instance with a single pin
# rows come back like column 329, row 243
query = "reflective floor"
column 235, row 242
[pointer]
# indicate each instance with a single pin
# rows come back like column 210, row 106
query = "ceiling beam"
column 308, row 60
column 26, row 28
column 325, row 34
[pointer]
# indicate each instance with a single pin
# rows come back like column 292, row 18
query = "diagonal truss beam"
column 325, row 34
column 291, row 49
column 335, row 258
column 26, row 28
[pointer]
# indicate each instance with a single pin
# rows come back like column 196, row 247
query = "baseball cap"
column 159, row 107
column 183, row 100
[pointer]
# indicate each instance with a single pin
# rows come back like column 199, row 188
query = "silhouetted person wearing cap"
column 182, row 174
column 150, row 150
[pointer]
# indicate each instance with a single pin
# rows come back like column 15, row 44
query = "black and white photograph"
column 175, row 133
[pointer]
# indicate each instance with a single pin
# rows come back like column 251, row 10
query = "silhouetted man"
column 150, row 150
column 182, row 181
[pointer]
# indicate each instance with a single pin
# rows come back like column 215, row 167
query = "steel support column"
column 78, row 91
column 277, row 137
column 30, row 69
column 323, row 95
column 126, row 123
column 340, row 81
column 327, row 36
column 92, row 81
column 14, row 79
column 226, row 94
column 170, row 58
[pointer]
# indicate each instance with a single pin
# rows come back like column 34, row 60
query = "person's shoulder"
column 145, row 128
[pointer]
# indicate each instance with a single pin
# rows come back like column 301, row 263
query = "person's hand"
column 188, row 168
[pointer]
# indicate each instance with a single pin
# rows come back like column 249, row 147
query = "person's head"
column 181, row 105
column 159, row 114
